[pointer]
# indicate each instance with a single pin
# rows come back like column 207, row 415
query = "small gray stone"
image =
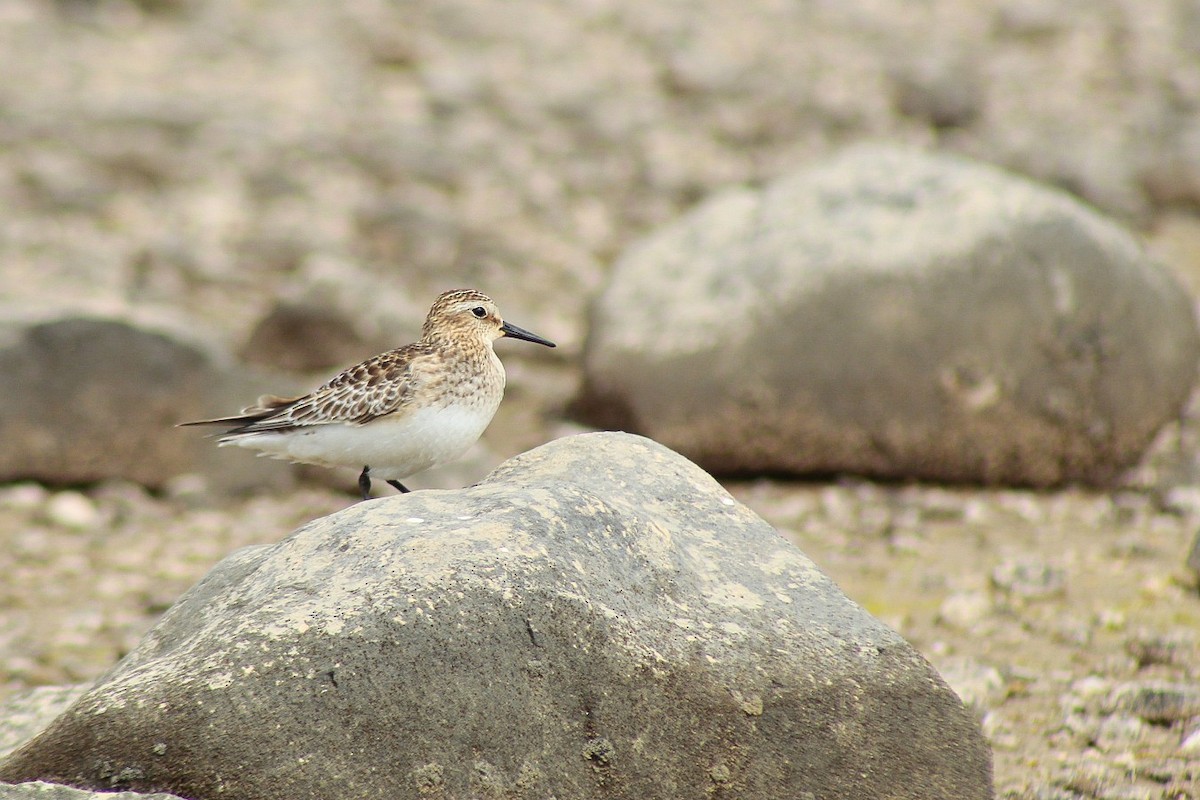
column 981, row 687
column 1119, row 733
column 72, row 510
column 1156, row 702
column 1029, row 579
column 1152, row 648
column 24, row 496
column 1087, row 695
column 1183, row 500
column 1189, row 743
column 1048, row 792
column 965, row 610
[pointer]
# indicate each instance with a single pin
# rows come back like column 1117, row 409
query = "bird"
column 398, row 413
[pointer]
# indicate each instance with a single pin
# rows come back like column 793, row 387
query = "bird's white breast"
column 394, row 446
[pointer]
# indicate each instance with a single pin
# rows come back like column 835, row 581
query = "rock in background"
column 597, row 619
column 88, row 397
column 900, row 315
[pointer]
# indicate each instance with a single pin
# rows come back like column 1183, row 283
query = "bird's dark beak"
column 521, row 333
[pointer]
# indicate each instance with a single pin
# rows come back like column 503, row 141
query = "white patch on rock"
column 737, row 596
column 222, row 681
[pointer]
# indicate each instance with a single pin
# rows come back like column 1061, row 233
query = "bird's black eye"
column 479, row 311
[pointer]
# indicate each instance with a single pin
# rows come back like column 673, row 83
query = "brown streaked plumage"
column 398, row 413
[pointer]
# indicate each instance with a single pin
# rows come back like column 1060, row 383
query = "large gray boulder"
column 895, row 314
column 597, row 619
column 88, row 396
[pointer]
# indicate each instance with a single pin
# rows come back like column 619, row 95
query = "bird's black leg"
column 364, row 483
column 400, row 486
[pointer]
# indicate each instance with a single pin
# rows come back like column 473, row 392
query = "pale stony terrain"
column 215, row 157
column 1035, row 606
column 368, row 154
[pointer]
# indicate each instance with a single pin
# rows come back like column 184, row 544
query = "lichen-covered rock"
column 894, row 314
column 597, row 619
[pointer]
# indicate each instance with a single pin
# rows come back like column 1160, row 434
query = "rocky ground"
column 1066, row 619
column 217, row 157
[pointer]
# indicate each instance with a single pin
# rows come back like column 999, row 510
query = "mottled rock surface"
column 597, row 619
column 895, row 314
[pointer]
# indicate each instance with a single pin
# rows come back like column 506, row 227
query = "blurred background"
column 202, row 201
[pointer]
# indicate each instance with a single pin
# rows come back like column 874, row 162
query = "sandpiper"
column 398, row 413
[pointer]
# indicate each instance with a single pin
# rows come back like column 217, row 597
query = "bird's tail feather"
column 266, row 406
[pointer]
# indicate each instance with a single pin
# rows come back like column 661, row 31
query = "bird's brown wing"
column 375, row 388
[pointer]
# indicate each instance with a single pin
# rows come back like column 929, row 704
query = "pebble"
column 1083, row 727
column 964, row 610
column 1190, row 743
column 1149, row 648
column 1156, row 702
column 999, row 731
column 23, row 496
column 1029, row 579
column 1047, row 792
column 187, row 487
column 1132, row 507
column 906, row 542
column 907, row 519
column 1093, row 511
column 876, row 521
column 1119, row 732
column 1183, row 500
column 1131, row 545
column 1086, row 694
column 1024, row 505
column 981, row 687
column 936, row 504
column 839, row 506
column 31, row 544
column 72, row 510
column 1071, row 630
column 978, row 511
